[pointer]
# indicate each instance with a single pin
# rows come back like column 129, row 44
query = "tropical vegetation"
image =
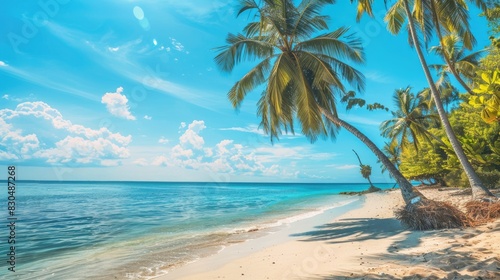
column 302, row 73
column 423, row 18
column 366, row 172
column 435, row 136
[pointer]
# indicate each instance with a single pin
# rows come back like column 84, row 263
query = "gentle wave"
column 138, row 230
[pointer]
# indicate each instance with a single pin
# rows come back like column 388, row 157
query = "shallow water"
column 136, row 230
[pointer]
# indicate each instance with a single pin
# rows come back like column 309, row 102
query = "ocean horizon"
column 140, row 230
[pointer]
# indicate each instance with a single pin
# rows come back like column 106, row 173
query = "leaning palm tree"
column 448, row 17
column 461, row 64
column 366, row 172
column 302, row 74
column 410, row 123
column 396, row 17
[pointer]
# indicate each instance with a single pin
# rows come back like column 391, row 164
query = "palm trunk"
column 448, row 61
column 361, row 165
column 478, row 190
column 405, row 186
column 370, row 181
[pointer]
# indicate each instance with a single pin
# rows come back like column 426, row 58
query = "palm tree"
column 396, row 16
column 409, row 123
column 303, row 74
column 392, row 151
column 461, row 64
column 449, row 95
column 366, row 172
column 448, row 17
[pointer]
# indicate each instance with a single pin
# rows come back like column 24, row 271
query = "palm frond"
column 364, row 6
column 246, row 5
column 330, row 44
column 249, row 82
column 308, row 111
column 354, row 77
column 308, row 19
column 395, row 17
column 241, row 48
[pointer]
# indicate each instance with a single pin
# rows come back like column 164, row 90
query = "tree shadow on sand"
column 452, row 262
column 446, row 264
column 351, row 230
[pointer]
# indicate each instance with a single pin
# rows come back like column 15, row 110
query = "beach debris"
column 481, row 212
column 430, row 215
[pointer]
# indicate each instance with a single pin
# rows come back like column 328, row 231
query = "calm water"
column 136, row 230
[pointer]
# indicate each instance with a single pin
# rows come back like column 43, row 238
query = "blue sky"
column 128, row 90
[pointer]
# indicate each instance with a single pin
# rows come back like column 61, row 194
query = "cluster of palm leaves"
column 303, row 74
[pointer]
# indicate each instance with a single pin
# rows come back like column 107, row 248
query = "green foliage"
column 428, row 163
column 410, row 121
column 493, row 17
column 376, row 106
column 481, row 142
column 351, row 101
column 464, row 64
column 366, row 171
column 393, row 153
column 435, row 162
column 488, row 98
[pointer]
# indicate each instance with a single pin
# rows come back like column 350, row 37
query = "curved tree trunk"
column 478, row 190
column 372, row 187
column 448, row 61
column 404, row 185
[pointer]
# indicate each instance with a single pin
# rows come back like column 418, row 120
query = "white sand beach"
column 365, row 243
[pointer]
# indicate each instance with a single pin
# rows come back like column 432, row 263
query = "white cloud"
column 83, row 150
column 250, row 129
column 163, row 140
column 110, row 162
column 116, row 103
column 30, row 97
column 56, row 140
column 113, row 49
column 227, row 156
column 127, row 65
column 52, row 80
column 155, row 42
column 13, row 143
column 191, row 135
column 379, row 77
column 7, row 156
column 346, row 166
column 160, row 161
column 208, row 152
column 222, row 147
column 3, row 64
column 140, row 162
column 146, row 117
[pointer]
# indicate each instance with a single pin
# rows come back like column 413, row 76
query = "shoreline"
column 263, row 239
column 365, row 242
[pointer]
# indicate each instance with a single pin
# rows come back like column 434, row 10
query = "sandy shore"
column 365, row 243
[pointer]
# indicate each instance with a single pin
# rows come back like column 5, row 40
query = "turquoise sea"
column 138, row 230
